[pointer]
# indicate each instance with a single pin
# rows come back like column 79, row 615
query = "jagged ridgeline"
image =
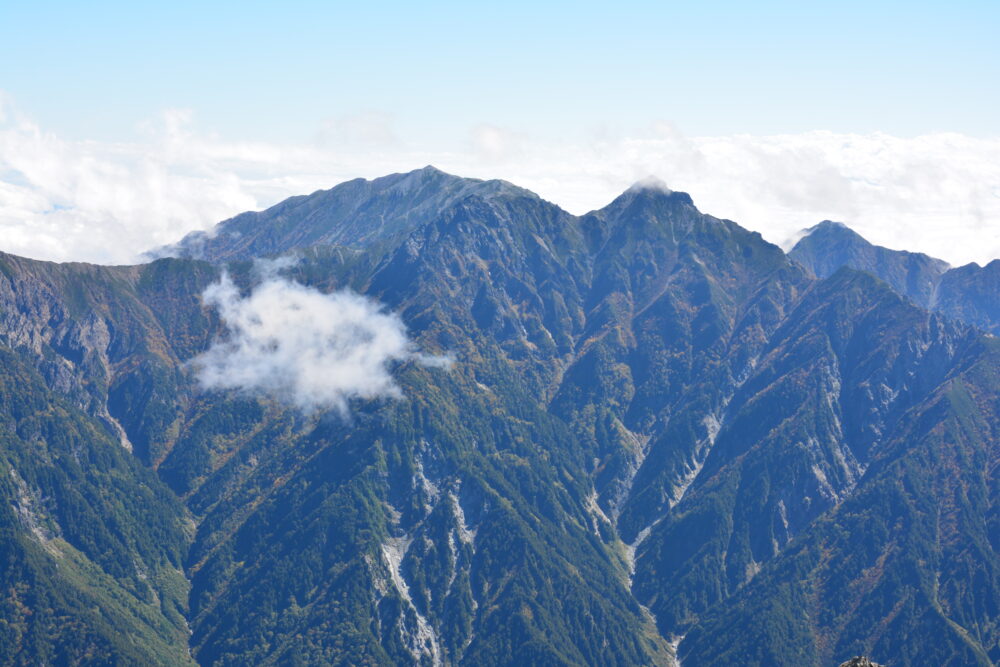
column 660, row 438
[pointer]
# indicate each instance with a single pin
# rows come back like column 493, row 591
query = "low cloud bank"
column 109, row 202
column 305, row 348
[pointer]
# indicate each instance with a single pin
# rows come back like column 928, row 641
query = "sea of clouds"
column 108, row 202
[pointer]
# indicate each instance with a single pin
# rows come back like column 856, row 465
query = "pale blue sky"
column 278, row 71
column 125, row 125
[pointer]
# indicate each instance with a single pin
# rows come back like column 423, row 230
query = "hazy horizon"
column 115, row 137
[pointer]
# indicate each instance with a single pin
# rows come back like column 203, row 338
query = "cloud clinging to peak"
column 305, row 348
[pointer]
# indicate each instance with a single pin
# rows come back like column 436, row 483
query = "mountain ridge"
column 651, row 412
column 967, row 293
column 355, row 213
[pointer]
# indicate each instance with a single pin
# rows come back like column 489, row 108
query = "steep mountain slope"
column 356, row 214
column 969, row 293
column 91, row 543
column 475, row 499
column 906, row 568
column 686, row 301
column 242, row 465
column 650, row 410
column 830, row 245
column 835, row 378
column 111, row 339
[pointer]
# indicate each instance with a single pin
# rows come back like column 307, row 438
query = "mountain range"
column 643, row 435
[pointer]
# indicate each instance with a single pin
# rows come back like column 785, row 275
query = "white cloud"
column 308, row 349
column 109, row 202
column 938, row 194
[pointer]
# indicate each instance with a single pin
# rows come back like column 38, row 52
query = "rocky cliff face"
column 659, row 435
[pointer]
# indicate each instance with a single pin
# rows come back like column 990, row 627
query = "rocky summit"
column 432, row 420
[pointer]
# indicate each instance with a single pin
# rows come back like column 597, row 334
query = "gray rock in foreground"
column 860, row 661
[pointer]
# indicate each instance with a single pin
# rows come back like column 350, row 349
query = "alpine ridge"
column 968, row 293
column 660, row 438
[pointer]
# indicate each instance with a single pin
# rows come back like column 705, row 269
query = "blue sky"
column 279, row 71
column 125, row 125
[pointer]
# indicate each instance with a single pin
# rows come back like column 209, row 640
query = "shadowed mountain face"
column 972, row 294
column 830, row 245
column 656, row 427
column 969, row 293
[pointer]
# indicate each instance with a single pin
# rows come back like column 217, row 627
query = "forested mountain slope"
column 654, row 425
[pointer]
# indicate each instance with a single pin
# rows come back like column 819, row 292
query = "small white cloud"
column 266, row 269
column 305, row 348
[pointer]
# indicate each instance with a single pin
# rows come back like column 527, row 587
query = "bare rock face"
column 860, row 661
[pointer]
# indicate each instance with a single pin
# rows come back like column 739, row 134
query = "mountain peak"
column 832, row 228
column 828, row 246
column 649, row 191
column 356, row 214
column 827, row 225
column 837, row 239
column 428, row 174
